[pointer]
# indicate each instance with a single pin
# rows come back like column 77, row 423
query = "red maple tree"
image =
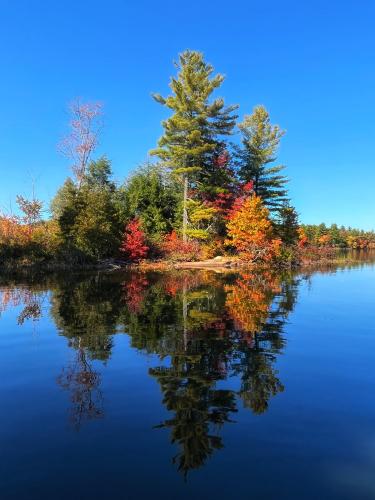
column 134, row 242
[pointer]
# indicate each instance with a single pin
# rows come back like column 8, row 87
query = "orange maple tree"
column 250, row 230
column 302, row 238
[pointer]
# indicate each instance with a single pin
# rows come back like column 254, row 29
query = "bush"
column 134, row 243
column 212, row 249
column 176, row 250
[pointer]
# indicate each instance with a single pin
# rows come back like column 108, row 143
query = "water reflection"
column 30, row 299
column 205, row 329
column 83, row 384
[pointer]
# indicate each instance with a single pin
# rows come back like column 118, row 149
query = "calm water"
column 188, row 385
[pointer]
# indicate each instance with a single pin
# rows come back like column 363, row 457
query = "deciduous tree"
column 78, row 146
column 134, row 244
column 250, row 230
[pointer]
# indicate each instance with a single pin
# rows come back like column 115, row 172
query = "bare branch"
column 80, row 143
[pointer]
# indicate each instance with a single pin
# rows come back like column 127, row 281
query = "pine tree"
column 88, row 215
column 287, row 226
column 99, row 173
column 152, row 196
column 260, row 141
column 192, row 133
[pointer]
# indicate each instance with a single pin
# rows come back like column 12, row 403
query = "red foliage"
column 134, row 243
column 222, row 203
column 222, row 160
column 134, row 292
column 248, row 187
column 176, row 249
column 302, row 238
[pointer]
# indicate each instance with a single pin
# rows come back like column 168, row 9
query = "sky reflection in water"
column 188, row 383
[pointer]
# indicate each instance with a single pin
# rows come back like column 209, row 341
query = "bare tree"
column 83, row 383
column 31, row 209
column 85, row 126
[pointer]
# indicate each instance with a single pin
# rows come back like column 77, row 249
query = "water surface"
column 188, row 385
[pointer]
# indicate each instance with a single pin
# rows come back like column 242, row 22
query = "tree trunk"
column 185, row 216
column 184, row 311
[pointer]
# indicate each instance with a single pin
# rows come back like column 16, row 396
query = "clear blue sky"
column 310, row 63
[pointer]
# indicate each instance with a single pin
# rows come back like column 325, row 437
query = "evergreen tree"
column 97, row 231
column 153, row 197
column 65, row 208
column 99, row 174
column 287, row 224
column 260, row 140
column 191, row 134
column 88, row 216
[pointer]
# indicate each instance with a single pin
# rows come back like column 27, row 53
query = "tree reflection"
column 196, row 405
column 86, row 312
column 205, row 328
column 30, row 299
column 83, row 383
column 213, row 329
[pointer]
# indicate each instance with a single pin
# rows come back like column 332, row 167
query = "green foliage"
column 260, row 141
column 151, row 195
column 191, row 131
column 65, row 208
column 339, row 236
column 287, row 224
column 97, row 228
column 191, row 134
column 192, row 192
column 99, row 175
column 88, row 217
column 201, row 218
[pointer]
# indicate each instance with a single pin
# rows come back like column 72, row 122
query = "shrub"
column 212, row 249
column 134, row 243
column 176, row 250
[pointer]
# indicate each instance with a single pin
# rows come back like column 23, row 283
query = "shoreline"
column 216, row 264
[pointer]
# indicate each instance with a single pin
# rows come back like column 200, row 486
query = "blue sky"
column 310, row 63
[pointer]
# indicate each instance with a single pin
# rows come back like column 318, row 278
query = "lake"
column 188, row 385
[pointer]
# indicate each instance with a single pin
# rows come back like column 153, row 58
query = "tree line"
column 199, row 196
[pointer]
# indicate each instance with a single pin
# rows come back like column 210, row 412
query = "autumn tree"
column 134, row 244
column 31, row 210
column 78, row 146
column 250, row 230
column 260, row 141
column 192, row 134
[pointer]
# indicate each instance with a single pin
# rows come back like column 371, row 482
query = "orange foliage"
column 250, row 230
column 324, row 240
column 175, row 249
column 302, row 238
column 12, row 232
column 248, row 301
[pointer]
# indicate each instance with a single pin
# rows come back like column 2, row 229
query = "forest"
column 200, row 195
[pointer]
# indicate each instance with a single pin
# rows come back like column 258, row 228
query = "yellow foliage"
column 250, row 231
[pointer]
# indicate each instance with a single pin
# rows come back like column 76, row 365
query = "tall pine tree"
column 192, row 134
column 260, row 141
